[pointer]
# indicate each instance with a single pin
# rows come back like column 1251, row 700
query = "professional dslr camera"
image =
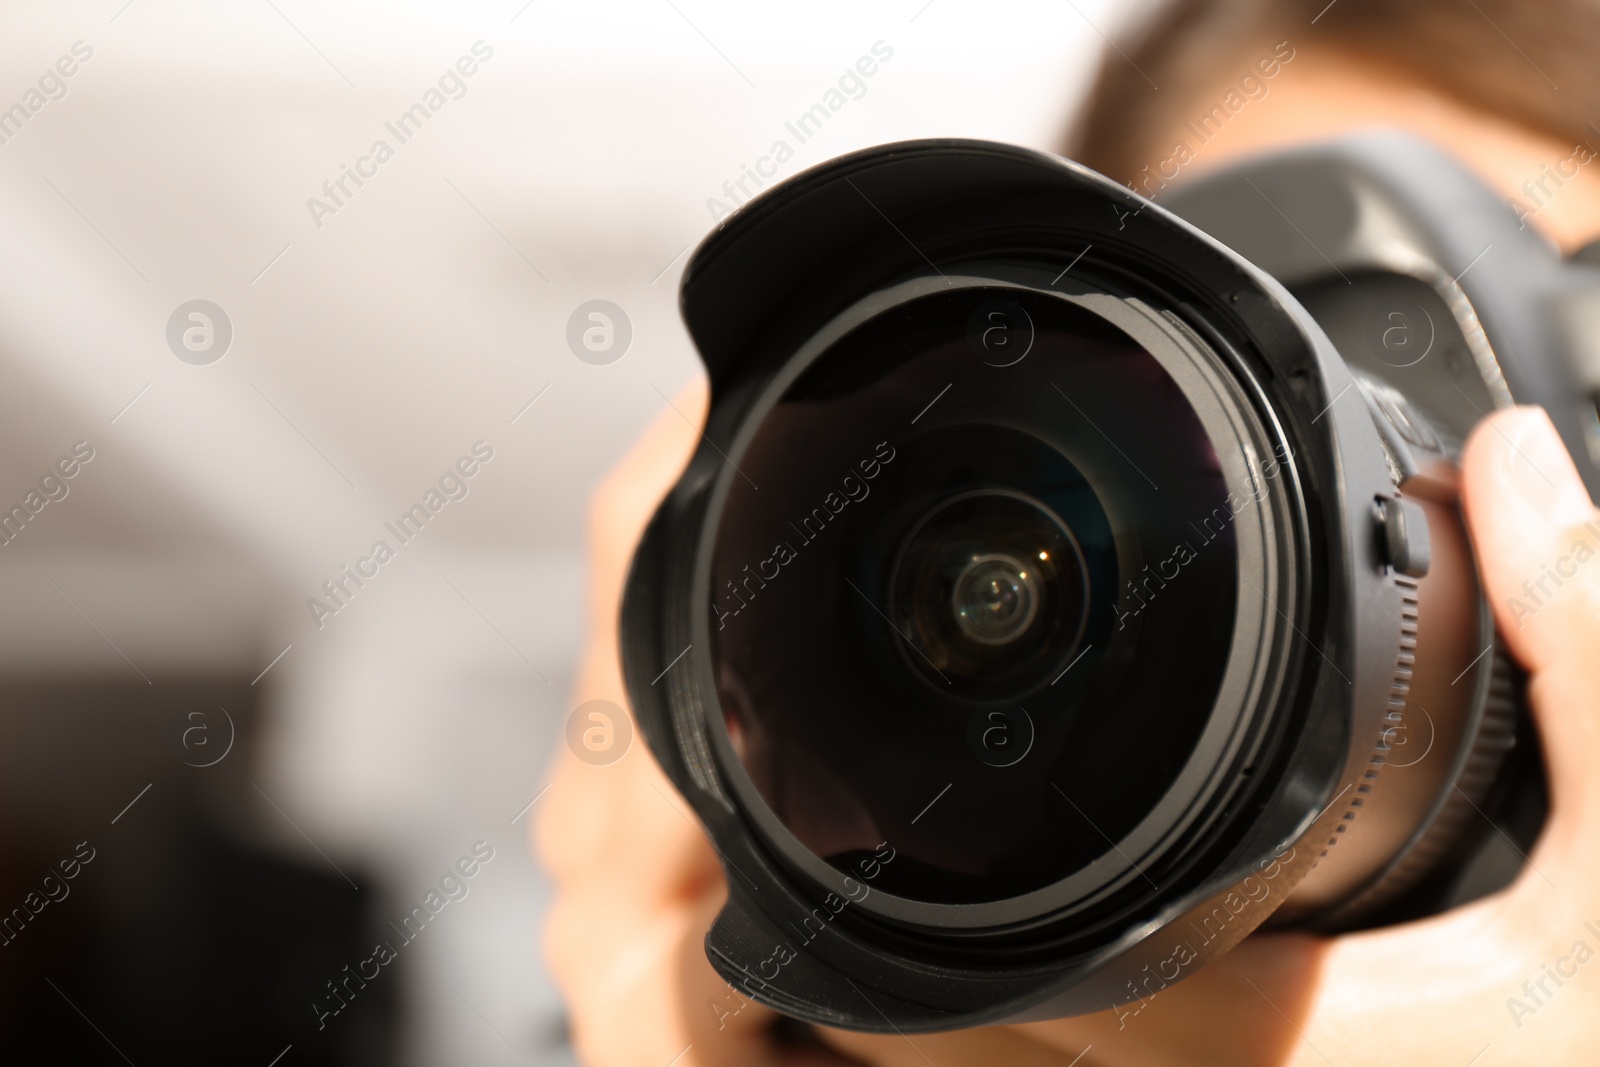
column 1067, row 585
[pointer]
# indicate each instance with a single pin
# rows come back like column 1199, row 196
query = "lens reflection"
column 972, row 605
column 995, row 600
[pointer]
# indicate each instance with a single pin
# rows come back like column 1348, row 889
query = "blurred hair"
column 1504, row 56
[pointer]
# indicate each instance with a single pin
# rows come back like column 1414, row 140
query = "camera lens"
column 995, row 600
column 904, row 566
column 1030, row 625
column 988, row 588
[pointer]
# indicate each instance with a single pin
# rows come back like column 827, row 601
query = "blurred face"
column 1322, row 94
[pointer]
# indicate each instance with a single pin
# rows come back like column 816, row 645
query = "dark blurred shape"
column 185, row 937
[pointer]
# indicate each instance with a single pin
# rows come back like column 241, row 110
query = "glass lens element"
column 977, row 611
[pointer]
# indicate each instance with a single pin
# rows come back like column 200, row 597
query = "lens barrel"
column 1052, row 603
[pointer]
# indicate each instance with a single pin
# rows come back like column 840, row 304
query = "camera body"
column 1068, row 585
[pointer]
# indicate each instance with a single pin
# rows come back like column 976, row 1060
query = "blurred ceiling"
column 371, row 350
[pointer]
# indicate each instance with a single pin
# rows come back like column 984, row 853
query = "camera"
column 1068, row 585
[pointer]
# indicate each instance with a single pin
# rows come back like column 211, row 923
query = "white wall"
column 419, row 318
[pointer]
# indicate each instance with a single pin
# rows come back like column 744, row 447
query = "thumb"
column 1536, row 532
column 1538, row 540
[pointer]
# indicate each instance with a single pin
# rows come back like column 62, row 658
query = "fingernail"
column 1541, row 470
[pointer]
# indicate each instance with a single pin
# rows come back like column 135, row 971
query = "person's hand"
column 1504, row 980
column 637, row 884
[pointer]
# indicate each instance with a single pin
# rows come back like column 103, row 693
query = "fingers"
column 1536, row 531
column 620, row 511
column 639, row 990
column 595, row 816
column 985, row 1047
column 622, row 823
column 1235, row 1011
column 1538, row 538
column 637, row 883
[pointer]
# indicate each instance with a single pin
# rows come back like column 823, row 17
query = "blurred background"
column 266, row 788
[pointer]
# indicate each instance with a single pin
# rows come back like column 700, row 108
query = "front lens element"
column 977, row 613
column 990, row 590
